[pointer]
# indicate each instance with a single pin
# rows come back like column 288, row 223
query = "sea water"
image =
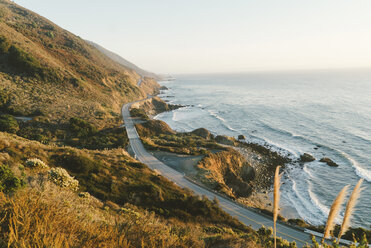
column 324, row 113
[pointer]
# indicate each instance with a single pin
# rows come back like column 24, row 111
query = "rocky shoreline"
column 260, row 159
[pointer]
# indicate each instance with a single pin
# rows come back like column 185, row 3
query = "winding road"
column 243, row 214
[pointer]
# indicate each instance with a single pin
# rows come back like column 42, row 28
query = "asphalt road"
column 140, row 81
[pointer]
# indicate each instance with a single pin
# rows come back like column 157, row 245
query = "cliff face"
column 228, row 172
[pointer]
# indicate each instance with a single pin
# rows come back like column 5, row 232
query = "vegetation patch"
column 8, row 181
column 60, row 177
column 8, row 124
column 139, row 113
column 157, row 135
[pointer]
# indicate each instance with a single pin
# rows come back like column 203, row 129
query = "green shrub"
column 8, row 124
column 60, row 177
column 108, row 138
column 23, row 61
column 34, row 133
column 81, row 128
column 4, row 99
column 4, row 45
column 76, row 163
column 36, row 163
column 135, row 112
column 8, row 181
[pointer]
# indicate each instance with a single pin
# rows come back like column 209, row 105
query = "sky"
column 217, row 36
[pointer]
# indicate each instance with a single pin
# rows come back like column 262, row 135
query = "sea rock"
column 241, row 137
column 329, row 162
column 164, row 88
column 225, row 140
column 202, row 132
column 306, row 157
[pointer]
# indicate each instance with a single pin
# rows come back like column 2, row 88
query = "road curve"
column 246, row 216
column 140, row 81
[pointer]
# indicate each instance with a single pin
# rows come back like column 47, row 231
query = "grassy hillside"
column 46, row 70
column 127, row 205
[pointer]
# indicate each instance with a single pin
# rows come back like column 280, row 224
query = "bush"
column 135, row 112
column 4, row 99
column 81, row 128
column 4, row 44
column 60, row 177
column 23, row 61
column 8, row 181
column 8, row 124
column 107, row 138
column 76, row 163
column 36, row 163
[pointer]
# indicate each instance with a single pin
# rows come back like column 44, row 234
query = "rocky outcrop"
column 329, row 162
column 228, row 172
column 225, row 140
column 241, row 137
column 203, row 132
column 154, row 106
column 306, row 157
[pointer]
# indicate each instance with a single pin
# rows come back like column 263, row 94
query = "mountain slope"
column 124, row 62
column 47, row 70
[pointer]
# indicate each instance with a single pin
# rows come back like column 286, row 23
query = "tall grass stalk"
column 350, row 208
column 276, row 201
column 334, row 211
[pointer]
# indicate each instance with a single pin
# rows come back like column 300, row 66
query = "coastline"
column 261, row 197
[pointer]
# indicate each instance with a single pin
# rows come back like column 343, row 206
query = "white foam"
column 306, row 209
column 305, row 168
column 360, row 171
column 280, row 149
column 216, row 116
column 174, row 117
column 324, row 209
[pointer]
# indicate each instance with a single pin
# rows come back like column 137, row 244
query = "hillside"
column 124, row 62
column 41, row 62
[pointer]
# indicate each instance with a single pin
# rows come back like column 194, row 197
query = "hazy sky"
column 195, row 36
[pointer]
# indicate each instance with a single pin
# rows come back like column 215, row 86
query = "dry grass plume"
column 334, row 211
column 276, row 201
column 350, row 208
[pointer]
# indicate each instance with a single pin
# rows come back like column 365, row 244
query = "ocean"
column 324, row 113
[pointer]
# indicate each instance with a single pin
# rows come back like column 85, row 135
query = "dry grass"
column 336, row 205
column 50, row 217
column 350, row 208
column 46, row 219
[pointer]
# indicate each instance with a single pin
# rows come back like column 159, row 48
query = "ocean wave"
column 299, row 197
column 286, row 133
column 306, row 170
column 174, row 117
column 222, row 120
column 359, row 170
column 314, row 199
column 212, row 113
column 279, row 148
